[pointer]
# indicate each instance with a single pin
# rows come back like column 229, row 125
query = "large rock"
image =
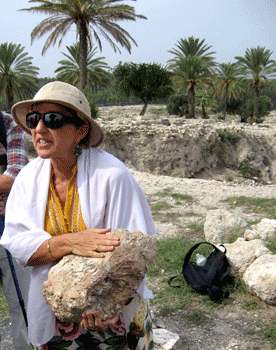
column 263, row 230
column 77, row 284
column 221, row 224
column 242, row 253
column 260, row 278
column 164, row 339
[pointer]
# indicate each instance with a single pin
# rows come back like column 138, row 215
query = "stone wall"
column 174, row 146
column 190, row 150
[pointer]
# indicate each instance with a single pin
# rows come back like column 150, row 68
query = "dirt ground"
column 228, row 327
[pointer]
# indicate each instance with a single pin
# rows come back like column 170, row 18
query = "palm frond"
column 18, row 77
column 69, row 69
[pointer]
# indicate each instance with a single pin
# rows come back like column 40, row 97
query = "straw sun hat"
column 66, row 95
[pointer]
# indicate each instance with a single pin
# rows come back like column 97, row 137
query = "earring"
column 77, row 150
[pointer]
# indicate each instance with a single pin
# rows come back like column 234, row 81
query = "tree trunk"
column 9, row 97
column 143, row 111
column 204, row 113
column 225, row 102
column 83, row 55
column 256, row 105
column 191, row 102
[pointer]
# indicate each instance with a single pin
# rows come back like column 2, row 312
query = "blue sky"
column 229, row 26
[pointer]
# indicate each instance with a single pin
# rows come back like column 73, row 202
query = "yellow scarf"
column 58, row 220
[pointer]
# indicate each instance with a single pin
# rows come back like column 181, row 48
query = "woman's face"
column 54, row 143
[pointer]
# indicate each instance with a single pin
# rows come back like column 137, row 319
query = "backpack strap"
column 170, row 281
column 188, row 257
column 190, row 252
column 212, row 271
column 3, row 139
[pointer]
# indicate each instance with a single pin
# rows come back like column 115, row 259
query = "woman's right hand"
column 92, row 242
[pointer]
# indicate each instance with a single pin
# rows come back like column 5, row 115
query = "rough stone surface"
column 77, row 284
column 241, row 254
column 263, row 230
column 184, row 148
column 164, row 339
column 260, row 278
column 220, row 224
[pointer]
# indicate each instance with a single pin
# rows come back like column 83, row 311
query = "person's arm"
column 5, row 187
column 17, row 154
column 17, row 158
column 5, row 184
column 89, row 243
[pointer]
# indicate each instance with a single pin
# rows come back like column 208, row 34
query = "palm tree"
column 192, row 66
column 258, row 67
column 229, row 83
column 18, row 77
column 91, row 17
column 205, row 98
column 69, row 70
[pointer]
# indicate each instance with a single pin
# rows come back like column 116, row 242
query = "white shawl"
column 109, row 196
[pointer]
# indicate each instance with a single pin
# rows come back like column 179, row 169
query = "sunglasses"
column 52, row 120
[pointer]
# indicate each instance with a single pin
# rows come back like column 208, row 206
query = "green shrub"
column 94, row 111
column 160, row 206
column 182, row 196
column 232, row 108
column 157, row 110
column 164, row 192
column 266, row 161
column 229, row 178
column 4, row 309
column 91, row 100
column 227, row 135
column 249, row 172
column 265, row 106
column 178, row 105
column 265, row 206
column 233, row 234
column 269, row 331
column 198, row 317
column 271, row 244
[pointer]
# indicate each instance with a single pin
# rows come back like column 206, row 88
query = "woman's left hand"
column 92, row 320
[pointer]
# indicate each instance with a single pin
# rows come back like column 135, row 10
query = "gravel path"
column 206, row 195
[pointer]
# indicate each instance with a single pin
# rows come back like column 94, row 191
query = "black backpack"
column 210, row 278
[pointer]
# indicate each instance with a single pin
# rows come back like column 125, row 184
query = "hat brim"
column 20, row 110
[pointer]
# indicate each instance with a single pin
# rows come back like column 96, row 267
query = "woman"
column 66, row 201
